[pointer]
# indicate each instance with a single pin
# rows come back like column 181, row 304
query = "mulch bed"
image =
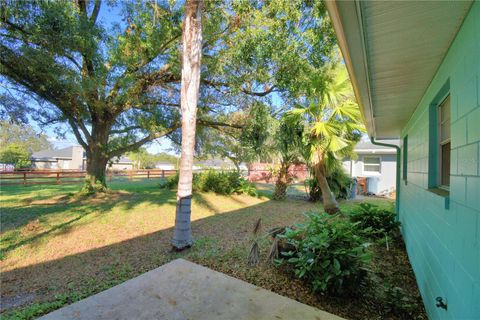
column 389, row 269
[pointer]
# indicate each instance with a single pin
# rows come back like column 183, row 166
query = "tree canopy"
column 16, row 155
column 116, row 86
column 142, row 159
column 23, row 135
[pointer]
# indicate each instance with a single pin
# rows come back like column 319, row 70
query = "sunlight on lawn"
column 36, row 230
column 79, row 248
column 36, row 233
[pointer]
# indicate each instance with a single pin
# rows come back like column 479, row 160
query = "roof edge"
column 364, row 103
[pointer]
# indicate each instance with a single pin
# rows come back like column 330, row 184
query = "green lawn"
column 56, row 249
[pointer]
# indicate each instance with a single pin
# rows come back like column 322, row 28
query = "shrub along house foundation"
column 415, row 68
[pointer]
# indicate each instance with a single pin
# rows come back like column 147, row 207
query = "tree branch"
column 77, row 134
column 96, row 10
column 126, row 129
column 216, row 124
column 139, row 143
column 217, row 85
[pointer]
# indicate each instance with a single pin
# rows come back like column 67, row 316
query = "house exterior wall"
column 45, row 164
column 121, row 166
column 385, row 180
column 442, row 233
column 77, row 158
column 165, row 166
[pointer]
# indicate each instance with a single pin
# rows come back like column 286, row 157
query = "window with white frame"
column 372, row 164
column 444, row 142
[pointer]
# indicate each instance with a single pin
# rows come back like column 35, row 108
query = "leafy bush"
column 217, row 181
column 171, row 182
column 373, row 220
column 328, row 254
column 15, row 154
column 338, row 181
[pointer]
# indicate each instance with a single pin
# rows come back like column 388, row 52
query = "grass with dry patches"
column 57, row 248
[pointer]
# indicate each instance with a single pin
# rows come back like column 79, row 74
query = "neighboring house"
column 117, row 163
column 65, row 158
column 72, row 158
column 163, row 165
column 415, row 68
column 375, row 163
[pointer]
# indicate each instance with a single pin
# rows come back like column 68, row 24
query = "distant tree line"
column 17, row 143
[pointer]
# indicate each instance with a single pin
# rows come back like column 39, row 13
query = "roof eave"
column 354, row 55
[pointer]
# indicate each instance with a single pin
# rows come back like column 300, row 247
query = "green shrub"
column 217, row 181
column 170, row 183
column 374, row 221
column 328, row 254
column 247, row 187
column 338, row 181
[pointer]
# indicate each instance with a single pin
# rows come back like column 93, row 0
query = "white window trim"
column 379, row 172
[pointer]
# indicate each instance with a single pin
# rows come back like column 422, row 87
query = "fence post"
column 58, row 177
column 110, row 175
column 130, row 174
column 163, row 173
column 148, row 174
column 24, row 178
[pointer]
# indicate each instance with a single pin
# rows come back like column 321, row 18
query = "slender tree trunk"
column 330, row 205
column 192, row 53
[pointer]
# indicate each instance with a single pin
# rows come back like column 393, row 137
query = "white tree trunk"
column 192, row 54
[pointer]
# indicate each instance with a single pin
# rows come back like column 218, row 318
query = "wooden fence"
column 74, row 176
column 64, row 176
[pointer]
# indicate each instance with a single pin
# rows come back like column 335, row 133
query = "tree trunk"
column 95, row 180
column 192, row 53
column 330, row 205
column 281, row 184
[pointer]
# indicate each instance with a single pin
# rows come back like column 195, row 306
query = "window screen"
column 371, row 164
column 444, row 142
column 405, row 157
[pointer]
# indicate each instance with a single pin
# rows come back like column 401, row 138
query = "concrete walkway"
column 183, row 290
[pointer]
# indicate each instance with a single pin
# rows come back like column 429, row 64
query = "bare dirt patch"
column 60, row 199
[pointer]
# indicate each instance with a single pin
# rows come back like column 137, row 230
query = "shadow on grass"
column 24, row 212
column 95, row 270
column 19, row 222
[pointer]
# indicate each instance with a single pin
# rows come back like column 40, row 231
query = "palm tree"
column 192, row 54
column 334, row 122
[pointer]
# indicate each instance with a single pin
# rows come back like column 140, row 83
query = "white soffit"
column 392, row 50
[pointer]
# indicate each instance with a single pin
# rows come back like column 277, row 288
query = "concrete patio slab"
column 183, row 290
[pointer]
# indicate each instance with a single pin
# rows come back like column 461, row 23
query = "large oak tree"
column 117, row 86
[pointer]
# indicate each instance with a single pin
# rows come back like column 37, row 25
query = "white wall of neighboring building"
column 379, row 182
column 165, row 166
column 77, row 159
column 120, row 166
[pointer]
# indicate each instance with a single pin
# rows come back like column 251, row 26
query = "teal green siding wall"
column 444, row 244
